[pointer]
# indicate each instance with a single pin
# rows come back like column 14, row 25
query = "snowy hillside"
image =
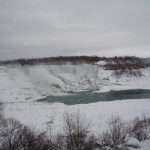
column 35, row 82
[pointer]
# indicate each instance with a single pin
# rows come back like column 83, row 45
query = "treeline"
column 55, row 60
column 123, row 63
column 119, row 66
column 112, row 63
column 75, row 134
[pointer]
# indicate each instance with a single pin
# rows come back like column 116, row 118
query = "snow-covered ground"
column 40, row 114
column 20, row 87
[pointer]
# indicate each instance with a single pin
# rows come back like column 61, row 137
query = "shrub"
column 11, row 134
column 33, row 139
column 116, row 133
column 140, row 128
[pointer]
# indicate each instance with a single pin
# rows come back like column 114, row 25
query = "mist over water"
column 48, row 79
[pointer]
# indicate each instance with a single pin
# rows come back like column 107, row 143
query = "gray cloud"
column 45, row 28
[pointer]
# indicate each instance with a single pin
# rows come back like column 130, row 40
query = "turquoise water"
column 86, row 97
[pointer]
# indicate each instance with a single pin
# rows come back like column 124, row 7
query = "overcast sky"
column 45, row 28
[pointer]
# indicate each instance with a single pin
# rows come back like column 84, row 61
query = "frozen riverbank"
column 40, row 114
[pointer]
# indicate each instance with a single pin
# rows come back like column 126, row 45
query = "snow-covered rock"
column 101, row 63
column 133, row 142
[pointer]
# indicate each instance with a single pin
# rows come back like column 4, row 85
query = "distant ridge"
column 112, row 63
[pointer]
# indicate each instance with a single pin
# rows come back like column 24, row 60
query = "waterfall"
column 55, row 78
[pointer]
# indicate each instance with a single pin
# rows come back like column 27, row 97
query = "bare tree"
column 140, row 128
column 10, row 134
column 118, row 130
column 53, row 141
column 105, row 139
column 76, row 129
column 1, row 115
column 2, row 122
column 116, row 133
column 33, row 139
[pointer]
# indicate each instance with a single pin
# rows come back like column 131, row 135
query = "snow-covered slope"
column 35, row 82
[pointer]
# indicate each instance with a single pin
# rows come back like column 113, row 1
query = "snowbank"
column 101, row 63
column 39, row 113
